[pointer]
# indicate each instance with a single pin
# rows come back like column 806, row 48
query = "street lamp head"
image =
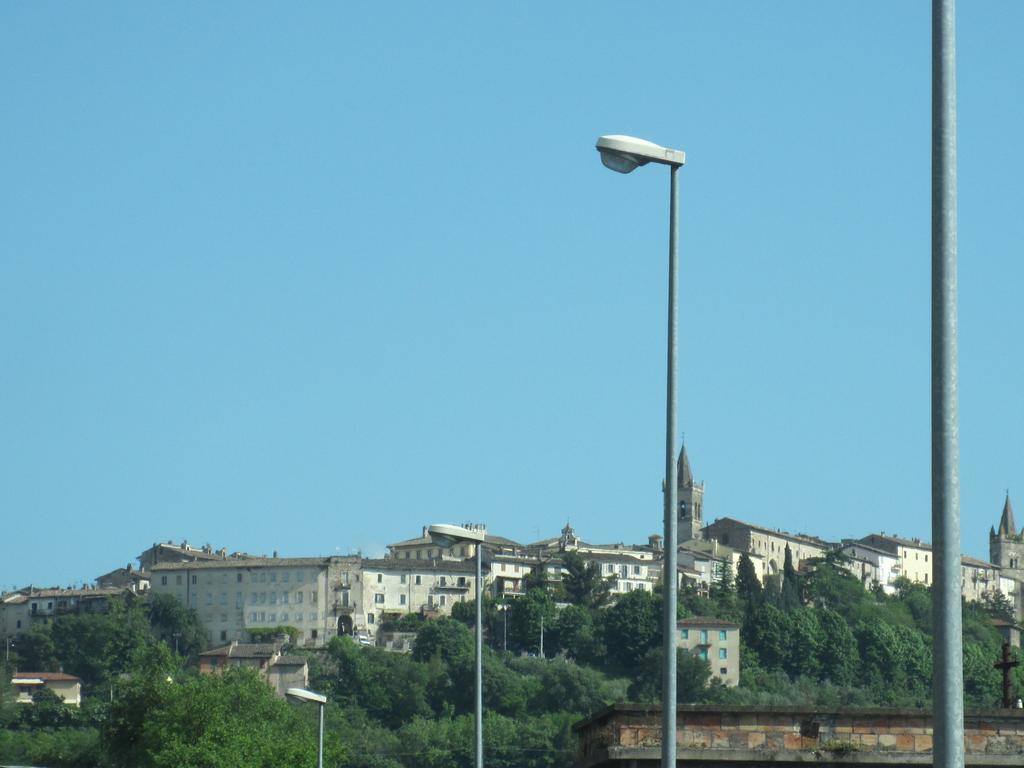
column 446, row 536
column 623, row 154
column 302, row 695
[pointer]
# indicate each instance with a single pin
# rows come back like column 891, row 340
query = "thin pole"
column 542, row 633
column 947, row 683
column 320, row 757
column 479, row 711
column 668, row 701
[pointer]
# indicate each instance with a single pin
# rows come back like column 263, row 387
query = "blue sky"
column 309, row 278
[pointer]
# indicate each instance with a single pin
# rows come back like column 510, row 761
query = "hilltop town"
column 238, row 596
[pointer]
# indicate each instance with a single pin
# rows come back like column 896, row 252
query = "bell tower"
column 690, row 496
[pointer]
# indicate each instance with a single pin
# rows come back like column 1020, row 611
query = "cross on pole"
column 1006, row 665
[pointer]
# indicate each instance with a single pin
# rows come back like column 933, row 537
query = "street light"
column 446, row 536
column 302, row 696
column 625, row 154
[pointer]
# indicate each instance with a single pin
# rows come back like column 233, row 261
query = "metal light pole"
column 948, row 680
column 303, row 696
column 445, row 536
column 624, row 154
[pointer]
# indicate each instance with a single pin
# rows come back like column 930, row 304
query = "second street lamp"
column 446, row 536
column 625, row 154
column 302, row 696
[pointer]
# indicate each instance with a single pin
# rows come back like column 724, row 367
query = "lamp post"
column 446, row 536
column 625, row 154
column 303, row 696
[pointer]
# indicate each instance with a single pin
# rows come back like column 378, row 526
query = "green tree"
column 444, row 639
column 748, row 586
column 790, row 583
column 692, row 676
column 804, row 646
column 175, row 624
column 631, row 627
column 839, row 656
column 529, row 616
column 575, row 634
column 583, row 583
column 766, row 630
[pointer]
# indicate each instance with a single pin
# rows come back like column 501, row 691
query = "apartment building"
column 21, row 610
column 914, row 557
column 233, row 595
column 715, row 641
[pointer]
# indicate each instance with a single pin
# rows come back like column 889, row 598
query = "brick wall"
column 633, row 733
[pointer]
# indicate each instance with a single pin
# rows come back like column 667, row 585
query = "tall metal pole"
column 948, row 681
column 479, row 704
column 668, row 700
column 320, row 754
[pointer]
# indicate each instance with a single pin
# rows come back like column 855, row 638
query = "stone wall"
column 756, row 736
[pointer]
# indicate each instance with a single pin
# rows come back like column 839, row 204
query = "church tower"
column 690, row 497
column 1006, row 549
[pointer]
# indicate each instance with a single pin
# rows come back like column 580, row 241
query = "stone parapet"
column 627, row 733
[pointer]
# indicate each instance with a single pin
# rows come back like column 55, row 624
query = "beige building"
column 20, row 610
column 913, row 555
column 424, row 548
column 769, row 545
column 978, row 578
column 27, row 684
column 389, row 588
column 268, row 659
column 715, row 641
column 233, row 595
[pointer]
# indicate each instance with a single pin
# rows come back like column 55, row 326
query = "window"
column 703, row 653
column 401, row 599
column 723, row 653
column 299, row 576
column 223, row 635
column 209, row 598
column 417, row 579
column 193, row 578
column 273, row 617
column 284, row 597
column 723, row 634
column 443, row 581
column 369, row 618
column 344, row 598
column 312, row 616
column 444, row 600
column 177, row 579
column 623, row 571
column 407, row 553
column 636, row 570
column 380, row 577
column 273, row 598
column 462, row 581
column 313, row 597
column 723, row 671
column 378, row 599
column 238, row 578
column 223, row 598
column 704, row 636
column 252, row 598
column 312, row 633
column 284, row 616
column 284, row 576
column 239, row 600
column 298, row 597
column 263, row 598
column 163, row 581
column 252, row 617
column 401, row 579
